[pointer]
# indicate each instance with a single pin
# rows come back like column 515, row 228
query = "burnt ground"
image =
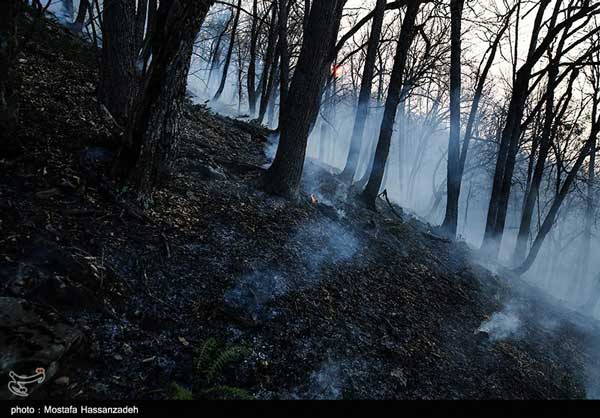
column 331, row 300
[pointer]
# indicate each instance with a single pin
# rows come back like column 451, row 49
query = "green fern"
column 230, row 355
column 205, row 355
column 179, row 393
column 209, row 363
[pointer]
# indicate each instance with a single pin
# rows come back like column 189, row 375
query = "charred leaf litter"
column 333, row 301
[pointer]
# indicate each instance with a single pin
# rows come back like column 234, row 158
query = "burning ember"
column 313, row 199
column 337, row 71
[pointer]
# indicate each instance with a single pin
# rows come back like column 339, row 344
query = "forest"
column 299, row 199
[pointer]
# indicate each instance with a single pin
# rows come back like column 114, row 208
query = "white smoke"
column 502, row 325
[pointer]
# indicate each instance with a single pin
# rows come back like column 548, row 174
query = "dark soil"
column 332, row 300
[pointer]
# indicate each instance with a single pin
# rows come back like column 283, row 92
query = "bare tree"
column 147, row 152
column 576, row 11
column 407, row 34
column 453, row 167
column 563, row 190
column 365, row 92
column 283, row 177
column 252, row 64
column 229, row 52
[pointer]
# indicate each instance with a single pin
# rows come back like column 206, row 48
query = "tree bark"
column 151, row 139
column 364, row 97
column 117, row 72
column 229, row 52
column 283, row 177
column 268, row 71
column 68, row 10
column 407, row 34
column 252, row 64
column 453, row 167
column 284, row 56
column 306, row 16
column 81, row 15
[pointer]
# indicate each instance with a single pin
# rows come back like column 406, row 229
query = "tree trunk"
column 365, row 93
column 407, row 33
column 508, row 144
column 67, row 6
column 511, row 134
column 453, row 167
column 284, row 56
column 81, row 15
column 151, row 139
column 538, row 173
column 306, row 16
column 266, row 78
column 117, row 72
column 9, row 42
column 229, row 51
column 252, row 64
column 283, row 177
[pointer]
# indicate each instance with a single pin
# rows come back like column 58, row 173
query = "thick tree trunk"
column 364, row 97
column 453, row 167
column 538, row 173
column 306, row 16
column 229, row 52
column 147, row 154
column 8, row 49
column 283, row 177
column 284, row 55
column 82, row 12
column 504, row 166
column 117, row 72
column 407, row 33
column 252, row 64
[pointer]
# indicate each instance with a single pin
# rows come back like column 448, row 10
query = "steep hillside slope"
column 330, row 300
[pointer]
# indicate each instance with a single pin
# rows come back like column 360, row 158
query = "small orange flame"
column 313, row 199
column 338, row 71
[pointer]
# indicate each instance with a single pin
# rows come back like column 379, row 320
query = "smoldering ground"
column 327, row 244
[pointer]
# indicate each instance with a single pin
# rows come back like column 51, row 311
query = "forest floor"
column 329, row 300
